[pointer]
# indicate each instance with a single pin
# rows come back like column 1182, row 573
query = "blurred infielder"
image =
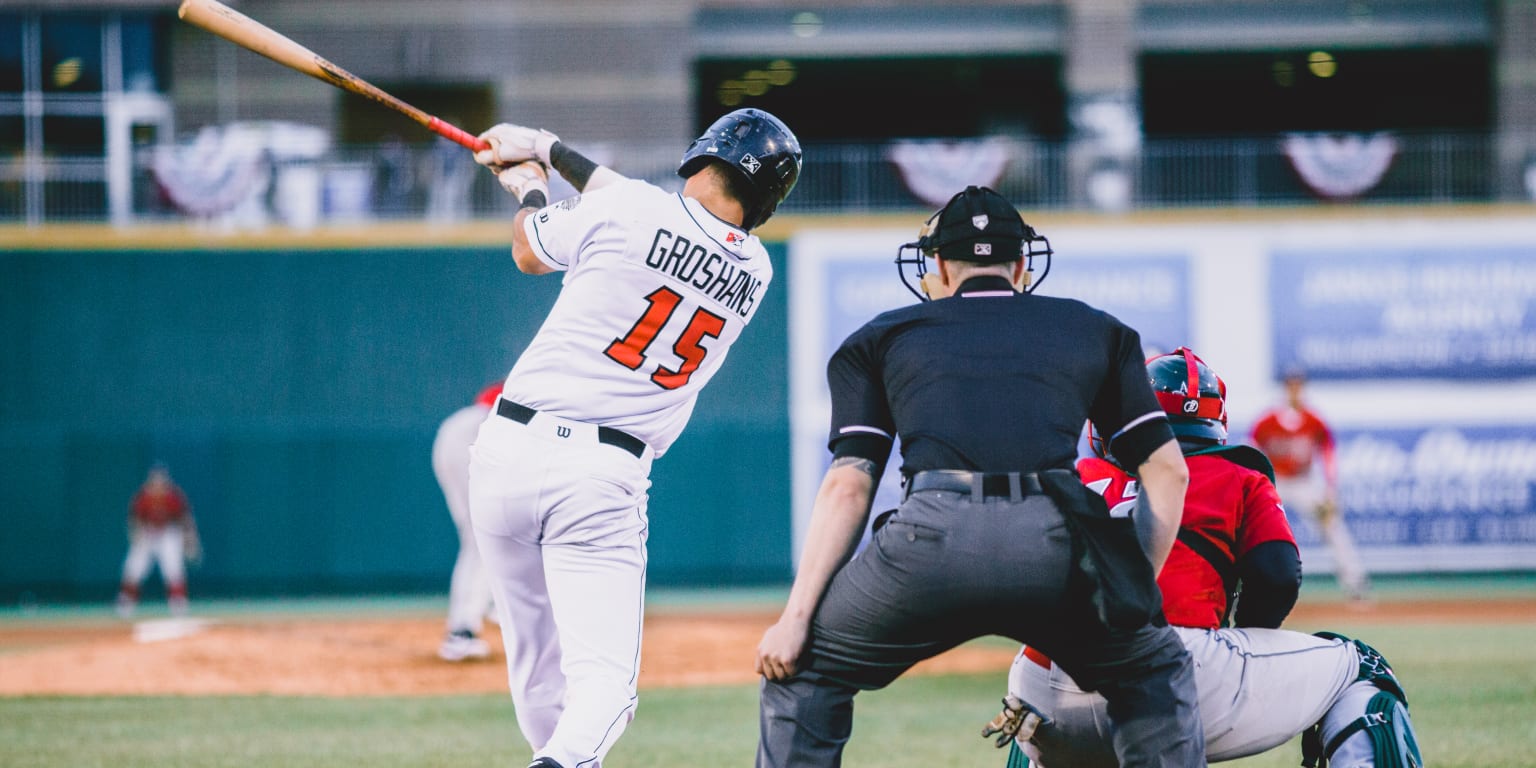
column 1297, row 440
column 1259, row 686
column 469, row 592
column 657, row 288
column 160, row 529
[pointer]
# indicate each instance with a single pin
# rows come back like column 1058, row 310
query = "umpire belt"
column 620, row 439
column 1013, row 486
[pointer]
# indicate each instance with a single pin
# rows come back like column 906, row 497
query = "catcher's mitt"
column 1327, row 510
column 1017, row 721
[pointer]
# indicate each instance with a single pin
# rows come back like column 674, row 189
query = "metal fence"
column 434, row 182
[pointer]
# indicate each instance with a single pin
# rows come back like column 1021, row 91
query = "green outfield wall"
column 294, row 391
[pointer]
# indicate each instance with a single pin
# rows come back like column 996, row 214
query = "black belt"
column 1006, row 485
column 522, row 414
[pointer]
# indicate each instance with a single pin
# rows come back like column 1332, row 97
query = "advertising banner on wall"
column 1148, row 292
column 1424, row 352
column 1444, row 497
column 1446, row 311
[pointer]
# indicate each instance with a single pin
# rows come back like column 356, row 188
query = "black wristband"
column 535, row 199
column 573, row 165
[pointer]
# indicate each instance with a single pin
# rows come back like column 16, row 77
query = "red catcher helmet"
column 1192, row 395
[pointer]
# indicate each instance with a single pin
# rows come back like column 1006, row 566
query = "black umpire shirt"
column 992, row 380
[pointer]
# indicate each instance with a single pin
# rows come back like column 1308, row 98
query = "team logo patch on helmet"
column 980, row 221
column 1191, row 406
column 750, row 163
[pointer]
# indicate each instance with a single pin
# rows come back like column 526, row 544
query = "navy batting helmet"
column 1192, row 395
column 759, row 148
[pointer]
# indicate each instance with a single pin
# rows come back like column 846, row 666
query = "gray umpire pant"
column 946, row 569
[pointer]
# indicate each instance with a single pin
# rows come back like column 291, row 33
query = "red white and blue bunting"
column 935, row 170
column 1340, row 166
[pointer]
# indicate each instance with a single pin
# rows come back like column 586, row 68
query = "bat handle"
column 456, row 135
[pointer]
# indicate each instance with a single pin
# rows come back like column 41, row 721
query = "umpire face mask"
column 977, row 225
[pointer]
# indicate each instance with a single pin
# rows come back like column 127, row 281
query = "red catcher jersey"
column 158, row 506
column 1236, row 508
column 1292, row 438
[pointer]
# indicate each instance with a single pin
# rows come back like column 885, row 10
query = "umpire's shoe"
column 545, row 762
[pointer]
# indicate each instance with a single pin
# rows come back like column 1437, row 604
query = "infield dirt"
column 376, row 656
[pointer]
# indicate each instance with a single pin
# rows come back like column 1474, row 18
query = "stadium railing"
column 349, row 183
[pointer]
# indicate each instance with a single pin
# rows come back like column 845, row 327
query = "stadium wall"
column 294, row 383
column 1417, row 327
column 294, row 391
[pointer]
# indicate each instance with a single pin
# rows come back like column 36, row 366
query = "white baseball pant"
column 1258, row 689
column 1306, row 494
column 561, row 523
column 162, row 544
column 469, row 591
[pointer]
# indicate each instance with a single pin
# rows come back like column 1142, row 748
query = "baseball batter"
column 1259, row 686
column 1300, row 444
column 469, row 592
column 161, row 530
column 657, row 288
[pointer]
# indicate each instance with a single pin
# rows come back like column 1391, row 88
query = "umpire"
column 988, row 389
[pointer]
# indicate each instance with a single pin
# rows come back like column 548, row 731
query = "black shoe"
column 545, row 762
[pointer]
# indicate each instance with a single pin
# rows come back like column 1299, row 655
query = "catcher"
column 160, row 528
column 1259, row 686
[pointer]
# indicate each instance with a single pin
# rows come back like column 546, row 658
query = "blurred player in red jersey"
column 160, row 528
column 1259, row 686
column 1297, row 441
column 469, row 589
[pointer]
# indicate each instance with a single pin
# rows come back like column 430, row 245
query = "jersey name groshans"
column 733, row 288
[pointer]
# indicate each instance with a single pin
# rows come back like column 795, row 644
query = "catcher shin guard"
column 1388, row 739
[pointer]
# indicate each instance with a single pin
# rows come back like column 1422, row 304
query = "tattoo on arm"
column 863, row 465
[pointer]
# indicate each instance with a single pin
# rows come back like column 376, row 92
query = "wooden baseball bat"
column 252, row 35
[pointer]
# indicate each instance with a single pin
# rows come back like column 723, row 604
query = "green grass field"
column 1472, row 688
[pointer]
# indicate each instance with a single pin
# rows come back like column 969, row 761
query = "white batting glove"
column 512, row 144
column 523, row 178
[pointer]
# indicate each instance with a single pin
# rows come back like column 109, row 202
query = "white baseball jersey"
column 656, row 290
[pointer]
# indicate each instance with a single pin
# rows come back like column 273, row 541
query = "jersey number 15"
column 630, row 350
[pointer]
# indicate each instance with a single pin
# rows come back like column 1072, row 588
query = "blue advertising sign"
column 1149, row 293
column 1467, row 489
column 1443, row 312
